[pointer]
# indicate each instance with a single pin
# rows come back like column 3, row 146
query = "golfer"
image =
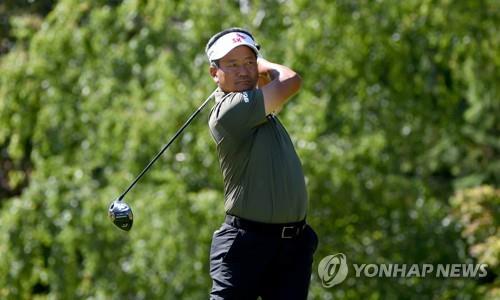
column 265, row 247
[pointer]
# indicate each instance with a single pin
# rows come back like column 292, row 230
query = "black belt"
column 283, row 230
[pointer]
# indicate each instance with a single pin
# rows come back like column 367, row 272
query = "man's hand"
column 264, row 76
column 278, row 84
column 264, row 79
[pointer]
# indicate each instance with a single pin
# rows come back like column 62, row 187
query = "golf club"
column 120, row 212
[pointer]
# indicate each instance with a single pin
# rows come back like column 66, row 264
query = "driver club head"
column 121, row 214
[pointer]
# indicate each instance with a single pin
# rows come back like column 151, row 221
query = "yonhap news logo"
column 333, row 270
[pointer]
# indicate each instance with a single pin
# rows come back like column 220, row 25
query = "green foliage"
column 397, row 115
column 19, row 20
column 477, row 211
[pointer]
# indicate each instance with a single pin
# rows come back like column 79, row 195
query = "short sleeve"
column 238, row 113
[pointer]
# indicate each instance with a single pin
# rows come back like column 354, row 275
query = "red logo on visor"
column 238, row 38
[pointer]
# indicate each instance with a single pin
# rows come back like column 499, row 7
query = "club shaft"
column 166, row 146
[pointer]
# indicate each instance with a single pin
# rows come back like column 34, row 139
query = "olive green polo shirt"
column 263, row 177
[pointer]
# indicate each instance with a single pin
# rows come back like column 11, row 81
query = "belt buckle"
column 283, row 234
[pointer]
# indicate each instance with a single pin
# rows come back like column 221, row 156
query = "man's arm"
column 278, row 83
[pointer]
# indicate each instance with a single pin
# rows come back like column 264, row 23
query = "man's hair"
column 218, row 35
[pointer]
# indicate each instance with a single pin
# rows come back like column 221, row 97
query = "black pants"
column 245, row 264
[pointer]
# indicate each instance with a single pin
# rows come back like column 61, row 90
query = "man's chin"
column 238, row 88
column 244, row 87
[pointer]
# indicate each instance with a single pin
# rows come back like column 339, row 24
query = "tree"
column 396, row 116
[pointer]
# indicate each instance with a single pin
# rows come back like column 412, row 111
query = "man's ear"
column 213, row 73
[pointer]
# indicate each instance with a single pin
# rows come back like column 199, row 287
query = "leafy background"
column 396, row 124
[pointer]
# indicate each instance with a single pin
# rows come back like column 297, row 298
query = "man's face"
column 237, row 71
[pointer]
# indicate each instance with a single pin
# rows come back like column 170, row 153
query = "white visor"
column 228, row 42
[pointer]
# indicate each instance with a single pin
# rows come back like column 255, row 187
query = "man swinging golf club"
column 264, row 248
